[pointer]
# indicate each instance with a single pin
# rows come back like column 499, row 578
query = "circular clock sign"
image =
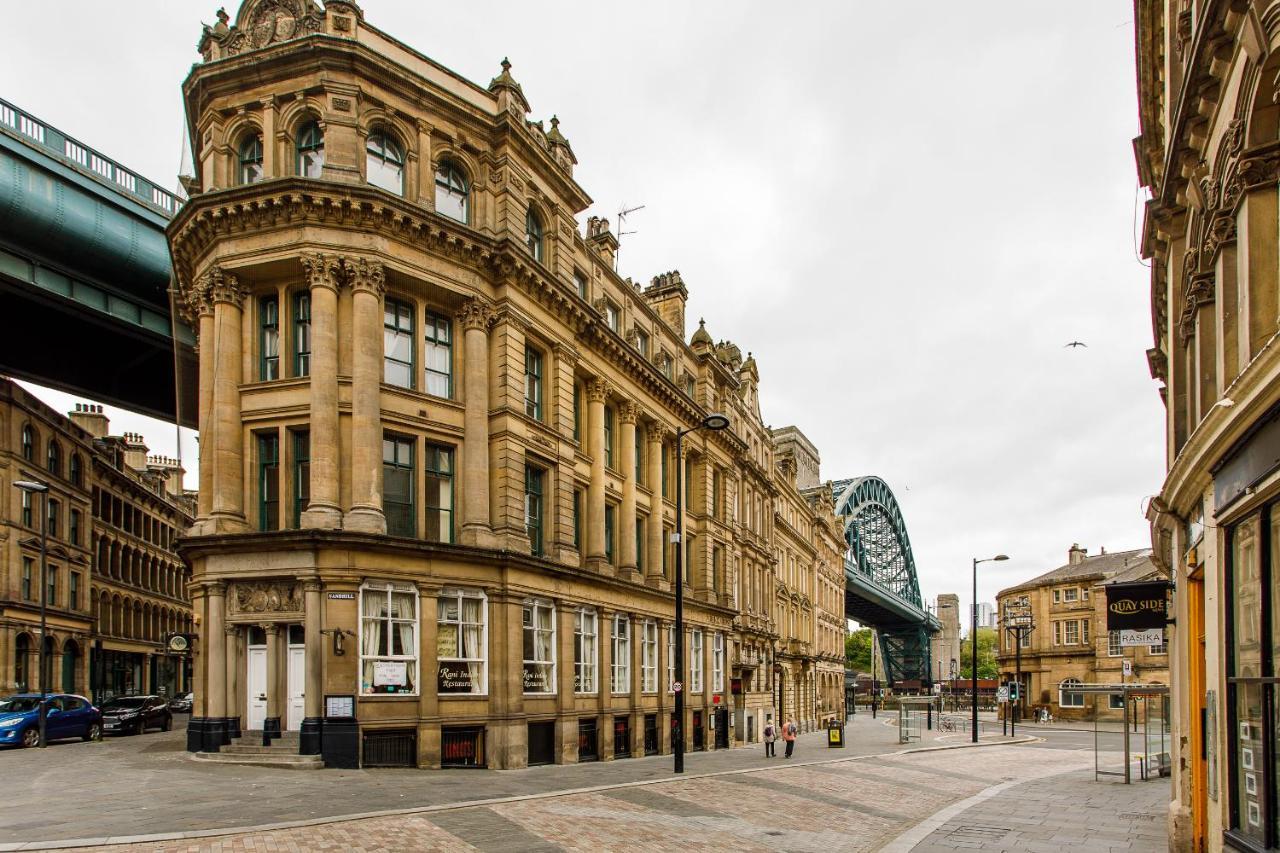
column 179, row 643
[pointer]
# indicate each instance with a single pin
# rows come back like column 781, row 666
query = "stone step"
column 259, row 749
column 285, row 761
column 255, row 737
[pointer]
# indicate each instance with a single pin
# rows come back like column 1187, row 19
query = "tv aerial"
column 622, row 218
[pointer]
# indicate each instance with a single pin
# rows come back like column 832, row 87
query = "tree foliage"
column 987, row 665
column 857, row 650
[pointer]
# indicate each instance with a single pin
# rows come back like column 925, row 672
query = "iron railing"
column 86, row 160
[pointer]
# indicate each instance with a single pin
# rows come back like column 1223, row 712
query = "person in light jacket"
column 789, row 732
column 770, row 737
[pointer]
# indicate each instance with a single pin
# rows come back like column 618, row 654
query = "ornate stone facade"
column 430, row 401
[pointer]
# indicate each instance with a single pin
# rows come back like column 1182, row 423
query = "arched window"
column 533, row 234
column 310, row 150
column 54, row 460
column 384, row 164
column 77, row 470
column 451, row 192
column 1069, row 697
column 251, row 159
column 28, row 443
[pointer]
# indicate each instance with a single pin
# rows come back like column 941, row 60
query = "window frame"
column 586, row 671
column 1065, row 691
column 269, row 337
column 399, row 441
column 695, row 661
column 263, row 441
column 394, row 306
column 388, row 588
column 432, row 451
column 534, row 234
column 717, row 662
column 649, row 656
column 531, row 608
column 387, row 154
column 300, row 305
column 28, row 442
column 300, row 446
column 533, row 378
column 450, row 169
column 620, row 654
column 459, row 594
column 249, row 154
column 433, row 325
column 534, row 479
column 309, row 140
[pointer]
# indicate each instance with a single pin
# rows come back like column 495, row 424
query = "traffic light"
column 1013, row 691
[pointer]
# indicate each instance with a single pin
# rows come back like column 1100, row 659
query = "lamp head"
column 716, row 421
column 31, row 486
column 1000, row 557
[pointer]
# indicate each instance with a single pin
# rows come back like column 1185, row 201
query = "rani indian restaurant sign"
column 1137, row 606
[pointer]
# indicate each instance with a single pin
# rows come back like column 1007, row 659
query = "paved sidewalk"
column 149, row 785
column 1049, row 815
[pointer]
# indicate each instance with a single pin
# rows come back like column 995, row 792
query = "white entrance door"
column 297, row 681
column 257, row 687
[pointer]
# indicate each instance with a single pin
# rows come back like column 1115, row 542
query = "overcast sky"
column 905, row 210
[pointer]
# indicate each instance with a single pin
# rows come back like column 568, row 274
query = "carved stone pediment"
column 266, row 597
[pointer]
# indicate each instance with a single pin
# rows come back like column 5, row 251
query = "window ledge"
column 386, row 697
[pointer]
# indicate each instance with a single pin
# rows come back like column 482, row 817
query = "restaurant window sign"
column 1137, row 606
column 461, row 641
column 539, row 647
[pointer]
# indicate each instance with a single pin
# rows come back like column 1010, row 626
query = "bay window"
column 388, row 639
column 461, row 641
column 539, row 647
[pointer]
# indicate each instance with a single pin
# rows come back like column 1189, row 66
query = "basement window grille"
column 462, row 746
column 390, row 748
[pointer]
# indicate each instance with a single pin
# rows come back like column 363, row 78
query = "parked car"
column 181, row 704
column 135, row 714
column 68, row 716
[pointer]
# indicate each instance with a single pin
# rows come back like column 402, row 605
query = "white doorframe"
column 256, row 687
column 297, row 679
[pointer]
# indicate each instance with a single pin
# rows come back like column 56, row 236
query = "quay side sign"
column 1136, row 606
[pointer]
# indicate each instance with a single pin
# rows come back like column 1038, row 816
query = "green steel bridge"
column 84, row 273
column 880, row 585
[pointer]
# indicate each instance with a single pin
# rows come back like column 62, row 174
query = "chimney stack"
column 668, row 295
column 1076, row 554
column 89, row 417
column 135, row 451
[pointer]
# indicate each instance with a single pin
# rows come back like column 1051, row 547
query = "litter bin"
column 835, row 734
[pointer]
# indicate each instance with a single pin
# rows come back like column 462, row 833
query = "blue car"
column 68, row 716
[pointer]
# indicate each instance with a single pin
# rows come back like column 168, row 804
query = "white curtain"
column 375, row 603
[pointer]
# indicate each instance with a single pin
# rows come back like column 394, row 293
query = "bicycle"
column 946, row 724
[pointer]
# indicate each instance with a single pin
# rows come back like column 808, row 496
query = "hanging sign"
column 1136, row 606
column 1127, row 668
column 1152, row 637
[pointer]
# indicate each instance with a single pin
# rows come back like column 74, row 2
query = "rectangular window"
column 577, row 412
column 51, row 592
column 1025, row 641
column 439, row 356
column 612, row 316
column 1113, row 644
column 608, row 436
column 73, row 592
column 666, row 490
column 609, row 514
column 539, row 647
column 388, row 638
column 397, row 344
column 26, row 509
column 302, row 334
column 533, row 507
column 438, row 473
column 717, row 663
column 301, row 474
column 1057, row 633
column 577, row 518
column 695, row 661
column 533, row 383
column 1070, row 594
column 620, row 664
column 461, row 641
column 73, row 530
column 1084, row 631
column 269, row 338
column 268, row 481
column 580, row 283
column 717, row 568
column 649, row 656
column 52, row 520
column 1071, row 634
column 667, row 558
column 671, row 659
column 640, row 522
column 585, row 654
column 397, row 486
column 639, row 469
column 27, row 564
column 1161, row 649
column 642, row 344
column 1057, row 596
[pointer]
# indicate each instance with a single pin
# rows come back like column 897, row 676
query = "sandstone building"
column 1208, row 154
column 1070, row 645
column 437, row 480
column 115, row 587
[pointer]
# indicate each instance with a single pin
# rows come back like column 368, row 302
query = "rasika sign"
column 1137, row 606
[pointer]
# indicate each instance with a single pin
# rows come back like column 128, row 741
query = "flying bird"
column 1075, row 344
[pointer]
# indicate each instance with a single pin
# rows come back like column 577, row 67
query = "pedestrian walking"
column 789, row 735
column 770, row 738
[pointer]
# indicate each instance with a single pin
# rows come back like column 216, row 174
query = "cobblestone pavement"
column 854, row 804
column 149, row 785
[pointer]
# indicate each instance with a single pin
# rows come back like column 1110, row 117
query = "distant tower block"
column 947, row 643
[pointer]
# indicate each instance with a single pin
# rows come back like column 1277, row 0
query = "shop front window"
column 585, row 652
column 461, row 640
column 620, row 663
column 695, row 661
column 388, row 639
column 539, row 647
column 649, row 656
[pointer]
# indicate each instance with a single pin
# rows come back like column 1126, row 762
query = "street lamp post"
column 973, row 637
column 32, row 487
column 714, row 421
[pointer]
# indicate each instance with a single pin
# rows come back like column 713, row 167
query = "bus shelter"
column 1146, row 727
column 912, row 711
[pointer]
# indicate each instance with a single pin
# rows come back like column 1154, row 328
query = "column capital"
column 476, row 314
column 323, row 270
column 311, row 584
column 422, row 125
column 365, row 275
column 657, row 431
column 215, row 587
column 217, row 285
column 628, row 412
column 598, row 390
column 231, row 630
column 271, row 628
column 569, row 355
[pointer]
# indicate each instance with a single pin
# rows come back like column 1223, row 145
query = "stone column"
column 227, row 514
column 368, row 285
column 235, row 695
column 627, row 414
column 271, row 725
column 269, row 170
column 597, row 393
column 665, row 699
column 215, row 666
column 656, row 433
column 324, row 274
column 604, row 681
column 476, row 318
column 313, row 712
column 201, row 301
column 426, row 170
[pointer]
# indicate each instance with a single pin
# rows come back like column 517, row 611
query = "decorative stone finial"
column 702, row 336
